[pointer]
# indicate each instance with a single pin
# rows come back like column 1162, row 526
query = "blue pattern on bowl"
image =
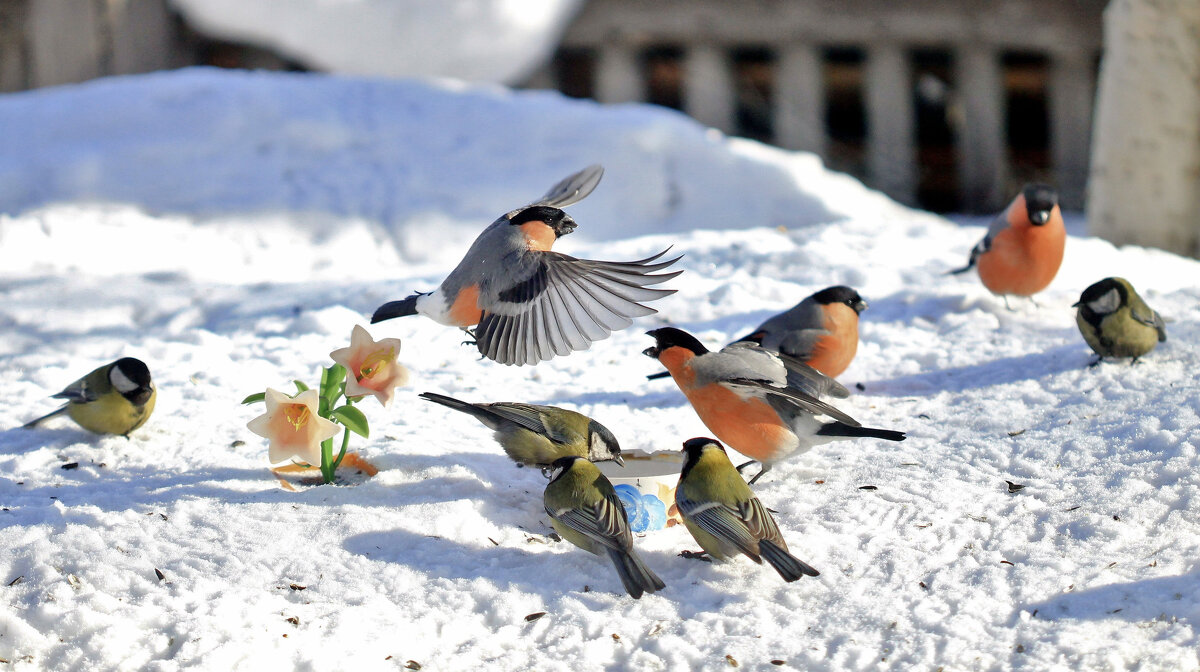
column 644, row 512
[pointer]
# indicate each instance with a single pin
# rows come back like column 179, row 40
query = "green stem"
column 327, row 465
column 345, row 443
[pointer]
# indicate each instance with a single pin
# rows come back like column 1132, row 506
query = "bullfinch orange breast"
column 528, row 303
column 1023, row 248
column 764, row 405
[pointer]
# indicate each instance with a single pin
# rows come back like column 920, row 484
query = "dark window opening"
column 845, row 112
column 754, row 77
column 664, row 76
column 1027, row 121
column 575, row 72
column 937, row 167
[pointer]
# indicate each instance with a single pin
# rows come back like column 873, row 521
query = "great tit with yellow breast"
column 1116, row 322
column 538, row 435
column 723, row 514
column 116, row 398
column 585, row 510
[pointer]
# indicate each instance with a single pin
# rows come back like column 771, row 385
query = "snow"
column 230, row 230
column 501, row 41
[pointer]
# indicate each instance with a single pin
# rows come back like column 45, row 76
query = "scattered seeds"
column 494, row 542
column 296, row 586
column 820, row 482
column 159, row 574
column 867, row 487
column 293, row 620
column 1014, row 487
column 1017, row 432
column 1006, row 562
column 1073, row 508
column 412, row 665
column 237, row 444
column 616, row 637
column 922, row 584
column 534, row 616
column 70, row 465
column 860, row 387
column 1116, row 517
column 731, row 660
column 16, row 580
column 778, row 662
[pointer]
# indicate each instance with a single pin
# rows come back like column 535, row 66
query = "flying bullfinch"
column 1116, row 322
column 538, row 435
column 1023, row 248
column 821, row 331
column 585, row 510
column 760, row 403
column 116, row 398
column 723, row 514
column 528, row 303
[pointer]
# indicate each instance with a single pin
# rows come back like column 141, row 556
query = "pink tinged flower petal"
column 292, row 427
column 371, row 366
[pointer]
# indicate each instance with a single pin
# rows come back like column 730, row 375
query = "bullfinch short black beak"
column 1040, row 217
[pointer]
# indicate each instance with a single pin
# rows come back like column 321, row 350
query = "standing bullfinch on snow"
column 585, row 510
column 723, row 514
column 1116, row 322
column 528, row 303
column 1023, row 248
column 762, row 404
column 821, row 331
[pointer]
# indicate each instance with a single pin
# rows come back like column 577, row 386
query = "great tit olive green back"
column 725, row 517
column 1116, row 322
column 116, row 398
column 585, row 510
column 538, row 435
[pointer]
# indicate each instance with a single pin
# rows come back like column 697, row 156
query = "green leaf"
column 352, row 418
column 255, row 398
column 300, row 387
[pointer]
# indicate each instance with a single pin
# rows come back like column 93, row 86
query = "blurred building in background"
column 948, row 105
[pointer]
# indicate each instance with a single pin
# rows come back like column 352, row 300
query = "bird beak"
column 1077, row 304
column 1040, row 217
column 619, row 460
column 565, row 226
column 651, row 351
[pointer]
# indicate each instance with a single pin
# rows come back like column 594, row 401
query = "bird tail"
column 852, row 432
column 634, row 573
column 789, row 566
column 401, row 308
column 34, row 423
column 660, row 374
column 964, row 269
column 456, row 404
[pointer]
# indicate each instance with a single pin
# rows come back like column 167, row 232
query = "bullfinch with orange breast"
column 821, row 331
column 1023, row 248
column 528, row 303
column 760, row 403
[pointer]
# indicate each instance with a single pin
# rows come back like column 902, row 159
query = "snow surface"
column 501, row 41
column 230, row 229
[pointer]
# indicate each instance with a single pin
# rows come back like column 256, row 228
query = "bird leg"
column 1006, row 304
column 1095, row 362
column 744, row 465
column 471, row 334
column 765, row 469
column 696, row 555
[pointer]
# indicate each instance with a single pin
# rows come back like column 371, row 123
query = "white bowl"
column 646, row 486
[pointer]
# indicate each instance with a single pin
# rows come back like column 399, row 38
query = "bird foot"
column 1095, row 362
column 696, row 555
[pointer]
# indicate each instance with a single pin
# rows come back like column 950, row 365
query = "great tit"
column 723, row 514
column 1023, row 248
column 821, row 331
column 585, row 510
column 760, row 403
column 1116, row 322
column 528, row 303
column 538, row 435
column 116, row 398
